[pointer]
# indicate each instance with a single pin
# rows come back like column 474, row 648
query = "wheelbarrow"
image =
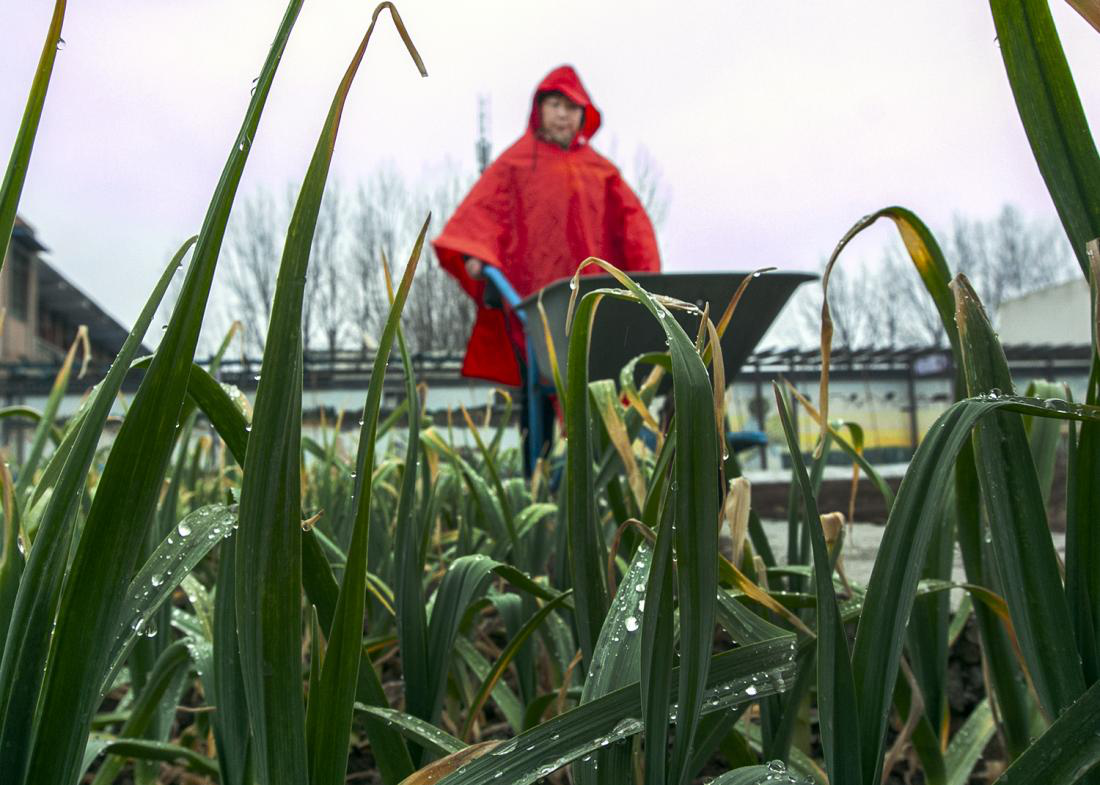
column 623, row 330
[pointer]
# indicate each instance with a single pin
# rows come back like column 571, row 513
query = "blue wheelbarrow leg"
column 535, row 437
column 739, row 441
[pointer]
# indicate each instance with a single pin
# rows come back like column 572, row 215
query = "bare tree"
column 650, row 186
column 378, row 223
column 851, row 291
column 439, row 315
column 253, row 265
column 346, row 304
column 888, row 305
column 1009, row 255
column 325, row 309
column 904, row 305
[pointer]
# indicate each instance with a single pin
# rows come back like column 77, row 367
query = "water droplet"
column 756, row 275
column 248, row 428
column 156, row 579
column 60, row 44
column 184, row 528
column 626, row 727
column 164, row 327
column 353, row 475
column 256, row 377
column 138, row 625
column 631, row 624
column 750, row 690
column 573, row 283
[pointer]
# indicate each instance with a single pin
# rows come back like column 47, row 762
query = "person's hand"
column 474, row 268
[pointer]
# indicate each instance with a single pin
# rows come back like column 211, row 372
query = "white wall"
column 1057, row 314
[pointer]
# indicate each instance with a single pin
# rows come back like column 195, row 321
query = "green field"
column 217, row 597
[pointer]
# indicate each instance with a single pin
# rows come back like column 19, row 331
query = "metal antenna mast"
column 482, row 148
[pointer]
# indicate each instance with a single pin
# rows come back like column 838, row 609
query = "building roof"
column 58, row 293
column 23, row 233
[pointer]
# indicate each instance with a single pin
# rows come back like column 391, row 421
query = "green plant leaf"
column 231, row 728
column 127, row 493
column 33, row 614
column 894, row 577
column 331, row 706
column 616, row 662
column 1044, row 436
column 174, row 558
column 1052, row 116
column 1069, row 749
column 693, row 527
column 269, row 571
column 503, row 696
column 968, row 744
column 586, row 547
column 465, row 581
column 757, row 775
column 163, row 685
column 1083, row 542
column 143, row 749
column 412, row 620
column 838, row 712
column 389, row 749
column 1026, row 561
column 506, row 657
column 16, row 173
column 414, row 729
column 765, row 667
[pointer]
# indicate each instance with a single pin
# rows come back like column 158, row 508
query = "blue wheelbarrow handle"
column 504, row 286
column 536, row 396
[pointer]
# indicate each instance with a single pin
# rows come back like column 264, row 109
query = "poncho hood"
column 564, row 80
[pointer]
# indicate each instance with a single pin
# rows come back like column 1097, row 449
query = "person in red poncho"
column 546, row 204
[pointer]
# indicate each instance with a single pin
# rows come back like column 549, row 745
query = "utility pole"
column 482, row 148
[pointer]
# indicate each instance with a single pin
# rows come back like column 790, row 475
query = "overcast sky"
column 776, row 125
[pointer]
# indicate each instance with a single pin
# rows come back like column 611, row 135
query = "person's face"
column 559, row 119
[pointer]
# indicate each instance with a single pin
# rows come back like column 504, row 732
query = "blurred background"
column 756, row 134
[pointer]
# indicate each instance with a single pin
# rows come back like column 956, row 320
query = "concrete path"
column 861, row 546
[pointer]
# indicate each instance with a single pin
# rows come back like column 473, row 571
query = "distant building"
column 1058, row 314
column 44, row 309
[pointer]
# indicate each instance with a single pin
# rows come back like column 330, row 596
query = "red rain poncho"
column 536, row 213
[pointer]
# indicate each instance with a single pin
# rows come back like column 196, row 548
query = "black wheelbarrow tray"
column 623, row 330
